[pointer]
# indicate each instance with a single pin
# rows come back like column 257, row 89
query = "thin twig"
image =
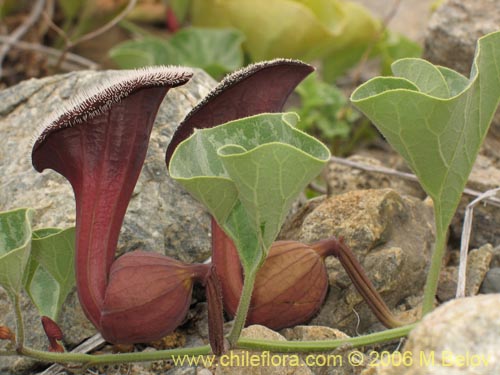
column 47, row 13
column 76, row 59
column 464, row 244
column 16, row 35
column 56, row 28
column 406, row 176
column 71, row 44
column 130, row 6
column 87, row 346
column 317, row 188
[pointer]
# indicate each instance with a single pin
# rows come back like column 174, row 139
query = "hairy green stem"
column 243, row 306
column 19, row 322
column 434, row 271
column 243, row 343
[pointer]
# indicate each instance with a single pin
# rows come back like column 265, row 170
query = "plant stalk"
column 243, row 306
column 358, row 276
column 434, row 271
column 244, row 343
column 325, row 345
column 19, row 323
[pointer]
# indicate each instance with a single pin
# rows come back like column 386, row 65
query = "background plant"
column 215, row 37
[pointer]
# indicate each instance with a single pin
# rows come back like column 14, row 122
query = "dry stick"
column 87, row 346
column 130, row 6
column 35, row 14
column 56, row 28
column 76, row 59
column 48, row 13
column 464, row 244
column 407, row 176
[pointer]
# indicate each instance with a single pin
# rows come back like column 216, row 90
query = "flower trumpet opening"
column 258, row 88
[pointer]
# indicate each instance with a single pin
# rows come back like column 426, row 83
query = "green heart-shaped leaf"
column 248, row 172
column 50, row 275
column 437, row 119
column 15, row 246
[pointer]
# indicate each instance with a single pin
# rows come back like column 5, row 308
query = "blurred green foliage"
column 334, row 34
column 217, row 51
column 324, row 110
column 326, row 113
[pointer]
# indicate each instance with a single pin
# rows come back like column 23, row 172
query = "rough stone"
column 485, row 229
column 495, row 262
column 311, row 333
column 161, row 216
column 451, row 38
column 491, row 283
column 343, row 178
column 337, row 361
column 391, row 235
column 454, row 29
column 461, row 329
column 478, row 264
column 261, row 332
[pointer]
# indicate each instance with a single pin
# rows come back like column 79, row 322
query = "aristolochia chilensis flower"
column 99, row 144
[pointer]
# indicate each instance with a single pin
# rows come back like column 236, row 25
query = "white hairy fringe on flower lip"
column 236, row 77
column 98, row 98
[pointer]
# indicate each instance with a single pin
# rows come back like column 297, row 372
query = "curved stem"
column 243, row 343
column 107, row 359
column 358, row 276
column 243, row 306
column 434, row 271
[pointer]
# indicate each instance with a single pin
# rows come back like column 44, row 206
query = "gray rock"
column 454, row 29
column 391, row 235
column 495, row 262
column 478, row 264
column 161, row 216
column 459, row 337
column 311, row 333
column 491, row 283
column 485, row 229
column 338, row 359
column 451, row 38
